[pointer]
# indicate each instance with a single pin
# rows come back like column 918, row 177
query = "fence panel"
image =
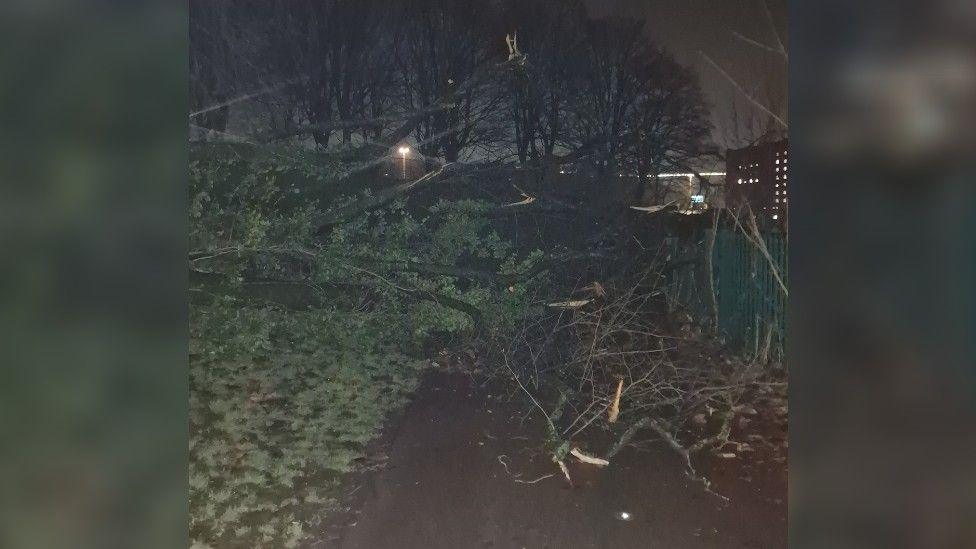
column 751, row 304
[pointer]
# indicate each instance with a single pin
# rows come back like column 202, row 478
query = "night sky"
column 686, row 26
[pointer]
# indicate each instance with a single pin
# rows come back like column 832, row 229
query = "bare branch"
column 246, row 97
column 738, row 87
column 757, row 44
column 772, row 25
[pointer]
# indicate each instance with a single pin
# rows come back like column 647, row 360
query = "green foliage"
column 282, row 400
column 261, row 220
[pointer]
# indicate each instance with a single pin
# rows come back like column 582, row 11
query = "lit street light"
column 404, row 151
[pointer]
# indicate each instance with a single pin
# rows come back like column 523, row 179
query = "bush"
column 286, row 391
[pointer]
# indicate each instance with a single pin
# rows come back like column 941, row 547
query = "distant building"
column 693, row 193
column 759, row 175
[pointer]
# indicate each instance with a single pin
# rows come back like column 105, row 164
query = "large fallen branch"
column 382, row 197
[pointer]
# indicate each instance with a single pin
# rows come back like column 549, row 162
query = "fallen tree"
column 626, row 362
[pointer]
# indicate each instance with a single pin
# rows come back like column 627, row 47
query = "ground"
column 444, row 476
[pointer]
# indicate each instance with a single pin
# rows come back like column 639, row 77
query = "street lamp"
column 404, row 151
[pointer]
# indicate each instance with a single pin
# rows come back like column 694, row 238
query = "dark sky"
column 686, row 27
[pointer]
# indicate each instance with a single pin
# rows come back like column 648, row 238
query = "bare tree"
column 669, row 124
column 610, row 88
column 444, row 53
column 542, row 90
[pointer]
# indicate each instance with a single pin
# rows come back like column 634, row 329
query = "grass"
column 276, row 419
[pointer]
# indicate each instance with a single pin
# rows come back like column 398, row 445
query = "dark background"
column 93, row 283
column 695, row 27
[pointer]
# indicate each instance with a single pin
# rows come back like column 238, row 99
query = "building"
column 694, row 193
column 759, row 176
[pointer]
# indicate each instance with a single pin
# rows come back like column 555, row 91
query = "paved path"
column 444, row 487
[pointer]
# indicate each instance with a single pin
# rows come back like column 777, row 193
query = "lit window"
column 777, row 169
column 775, row 217
column 777, row 160
column 740, row 181
column 777, row 201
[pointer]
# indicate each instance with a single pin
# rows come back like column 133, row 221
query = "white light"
column 624, row 515
column 775, row 216
column 686, row 175
column 404, row 150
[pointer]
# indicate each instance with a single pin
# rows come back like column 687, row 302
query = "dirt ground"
column 445, row 485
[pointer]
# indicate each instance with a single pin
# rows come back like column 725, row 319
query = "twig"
column 245, row 97
column 515, row 477
column 757, row 44
column 709, row 267
column 751, row 99
column 772, row 25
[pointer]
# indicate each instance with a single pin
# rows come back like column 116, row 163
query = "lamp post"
column 404, row 151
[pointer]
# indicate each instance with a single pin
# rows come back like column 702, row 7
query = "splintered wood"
column 615, row 408
column 562, row 467
column 586, row 458
column 570, row 304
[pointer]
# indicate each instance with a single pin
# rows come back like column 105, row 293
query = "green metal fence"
column 751, row 304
